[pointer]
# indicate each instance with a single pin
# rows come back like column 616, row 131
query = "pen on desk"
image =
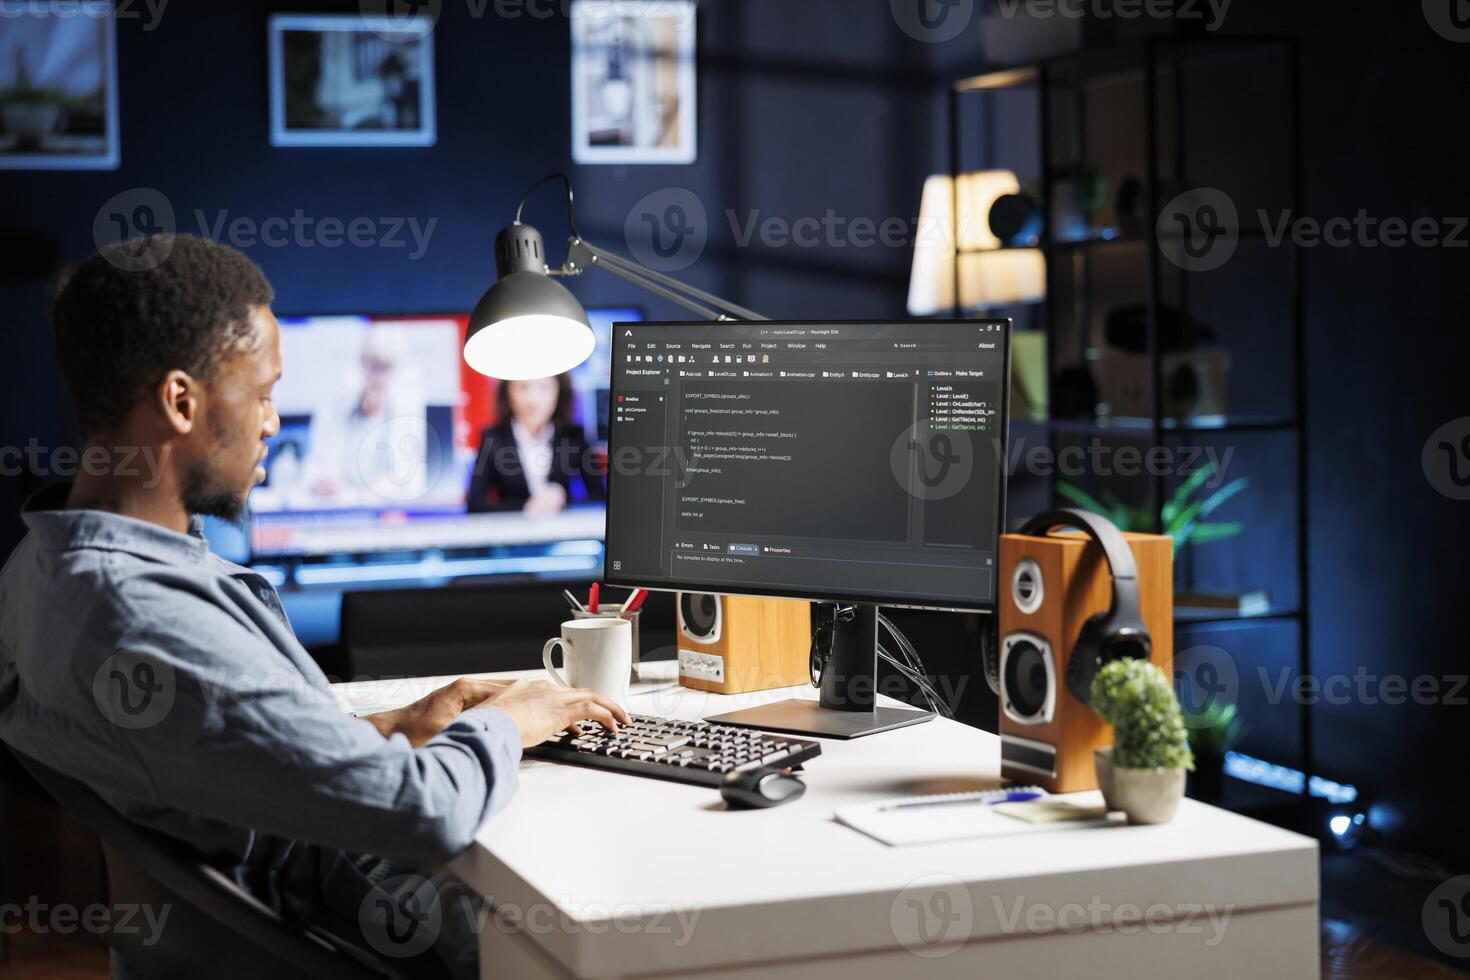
column 634, row 600
column 1015, row 796
column 576, row 604
column 592, row 599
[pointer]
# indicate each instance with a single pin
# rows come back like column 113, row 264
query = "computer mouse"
column 760, row 788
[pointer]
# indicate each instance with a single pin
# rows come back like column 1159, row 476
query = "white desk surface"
column 612, row 857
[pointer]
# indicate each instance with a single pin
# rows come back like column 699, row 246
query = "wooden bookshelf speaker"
column 730, row 644
column 1053, row 586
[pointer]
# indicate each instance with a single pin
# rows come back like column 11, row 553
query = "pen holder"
column 631, row 617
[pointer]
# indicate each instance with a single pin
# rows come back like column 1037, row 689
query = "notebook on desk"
column 961, row 816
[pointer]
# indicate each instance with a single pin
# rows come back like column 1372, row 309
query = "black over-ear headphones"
column 1117, row 634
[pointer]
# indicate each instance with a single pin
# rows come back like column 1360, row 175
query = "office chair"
column 214, row 928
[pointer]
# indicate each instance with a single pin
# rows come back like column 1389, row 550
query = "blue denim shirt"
column 170, row 681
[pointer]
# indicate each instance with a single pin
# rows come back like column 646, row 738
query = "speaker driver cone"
column 1028, row 679
column 701, row 613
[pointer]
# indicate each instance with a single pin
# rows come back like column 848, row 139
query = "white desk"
column 608, row 875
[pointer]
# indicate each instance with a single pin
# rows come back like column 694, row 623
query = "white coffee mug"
column 598, row 655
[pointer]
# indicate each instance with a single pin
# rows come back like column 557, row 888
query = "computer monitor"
column 855, row 462
column 392, row 451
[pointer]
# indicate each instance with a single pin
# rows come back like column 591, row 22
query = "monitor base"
column 799, row 717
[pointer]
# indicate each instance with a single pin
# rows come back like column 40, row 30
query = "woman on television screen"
column 535, row 458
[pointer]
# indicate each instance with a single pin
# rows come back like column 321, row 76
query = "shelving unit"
column 1083, row 114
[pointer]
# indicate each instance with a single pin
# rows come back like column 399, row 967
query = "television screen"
column 390, row 443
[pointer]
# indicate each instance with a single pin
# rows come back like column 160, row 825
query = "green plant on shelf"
column 1214, row 729
column 1184, row 519
column 1136, row 698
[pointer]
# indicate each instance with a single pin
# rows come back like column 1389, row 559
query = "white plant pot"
column 1102, row 761
column 1148, row 795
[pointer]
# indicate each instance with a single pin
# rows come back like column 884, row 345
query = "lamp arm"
column 648, row 285
column 583, row 255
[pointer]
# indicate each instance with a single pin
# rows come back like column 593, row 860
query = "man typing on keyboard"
column 169, row 680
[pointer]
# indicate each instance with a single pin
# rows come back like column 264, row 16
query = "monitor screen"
column 844, row 460
column 390, row 443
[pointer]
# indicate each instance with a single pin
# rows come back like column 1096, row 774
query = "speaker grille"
column 1028, row 679
column 700, row 612
column 1027, row 587
column 1025, row 679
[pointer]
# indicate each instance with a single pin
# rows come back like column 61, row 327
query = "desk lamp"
column 527, row 325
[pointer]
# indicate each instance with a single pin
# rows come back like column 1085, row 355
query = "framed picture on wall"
column 345, row 80
column 633, row 81
column 58, row 86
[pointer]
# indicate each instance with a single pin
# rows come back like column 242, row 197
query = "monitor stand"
column 848, row 705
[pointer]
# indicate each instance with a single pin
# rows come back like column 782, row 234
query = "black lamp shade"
column 527, row 325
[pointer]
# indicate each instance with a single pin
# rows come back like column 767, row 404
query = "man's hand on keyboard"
column 540, row 709
column 427, row 717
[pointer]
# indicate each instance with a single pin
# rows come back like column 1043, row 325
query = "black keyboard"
column 684, row 751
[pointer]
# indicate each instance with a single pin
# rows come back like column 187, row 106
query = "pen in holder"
column 612, row 613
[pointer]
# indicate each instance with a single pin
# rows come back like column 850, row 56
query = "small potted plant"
column 1150, row 756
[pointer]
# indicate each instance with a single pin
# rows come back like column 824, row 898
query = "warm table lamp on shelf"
column 988, row 275
column 527, row 325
